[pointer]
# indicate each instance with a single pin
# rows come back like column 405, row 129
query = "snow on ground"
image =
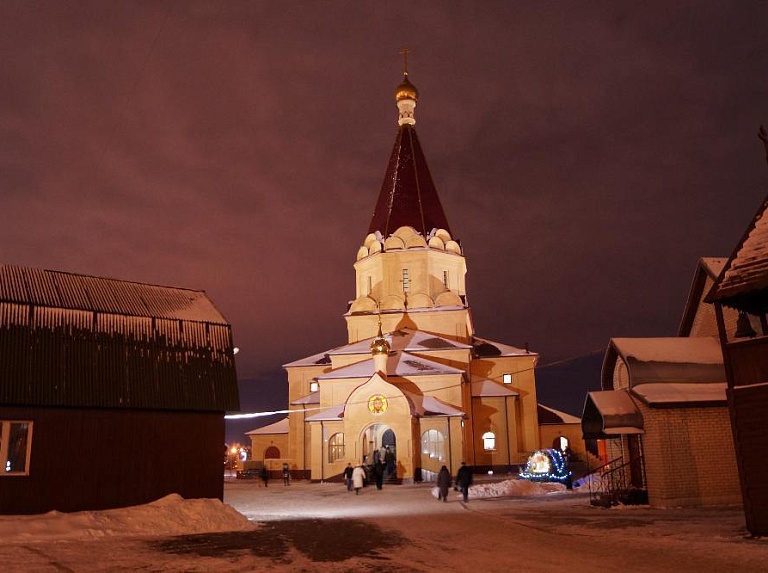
column 171, row 515
column 510, row 488
column 400, row 528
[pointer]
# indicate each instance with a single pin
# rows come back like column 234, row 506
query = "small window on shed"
column 507, row 378
column 15, row 447
column 314, row 386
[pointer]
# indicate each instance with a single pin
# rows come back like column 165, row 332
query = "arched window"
column 272, row 453
column 336, row 448
column 489, row 441
column 433, row 445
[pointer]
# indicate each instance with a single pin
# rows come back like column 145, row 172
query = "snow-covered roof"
column 319, row 359
column 425, row 406
column 673, row 350
column 327, row 415
column 280, row 427
column 556, row 416
column 743, row 283
column 312, row 398
column 406, row 339
column 610, row 413
column 683, row 394
column 484, row 387
column 670, row 359
column 485, row 347
column 398, row 364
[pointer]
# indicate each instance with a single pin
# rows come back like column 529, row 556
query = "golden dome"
column 379, row 345
column 406, row 90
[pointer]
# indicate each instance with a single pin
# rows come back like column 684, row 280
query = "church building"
column 414, row 383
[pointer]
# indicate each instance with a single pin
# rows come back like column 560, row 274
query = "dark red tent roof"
column 408, row 195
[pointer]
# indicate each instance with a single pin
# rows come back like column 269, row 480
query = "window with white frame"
column 445, row 279
column 15, row 446
column 406, row 281
column 433, row 445
column 314, row 386
column 507, row 378
column 336, row 448
column 489, row 441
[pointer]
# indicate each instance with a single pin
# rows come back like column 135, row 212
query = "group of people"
column 463, row 481
column 354, row 478
column 383, row 464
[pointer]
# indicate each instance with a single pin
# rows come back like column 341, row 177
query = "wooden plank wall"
column 86, row 459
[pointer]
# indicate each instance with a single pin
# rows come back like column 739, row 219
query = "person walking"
column 264, row 475
column 358, row 479
column 378, row 473
column 286, row 474
column 389, row 459
column 443, row 484
column 464, row 480
column 348, row 476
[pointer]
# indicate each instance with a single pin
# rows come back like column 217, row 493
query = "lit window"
column 489, row 441
column 336, row 448
column 15, row 447
column 445, row 279
column 433, row 445
column 406, row 281
column 507, row 378
column 314, row 386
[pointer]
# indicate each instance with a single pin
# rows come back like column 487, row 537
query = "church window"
column 433, row 445
column 314, row 386
column 445, row 279
column 507, row 378
column 15, row 447
column 272, row 453
column 336, row 448
column 370, row 285
column 406, row 281
column 489, row 441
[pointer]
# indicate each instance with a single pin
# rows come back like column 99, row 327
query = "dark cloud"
column 586, row 156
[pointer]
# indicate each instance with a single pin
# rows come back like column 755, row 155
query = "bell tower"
column 410, row 268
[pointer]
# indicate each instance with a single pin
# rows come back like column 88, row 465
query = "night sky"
column 586, row 156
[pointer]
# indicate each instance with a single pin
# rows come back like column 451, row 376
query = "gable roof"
column 279, row 427
column 667, row 360
column 57, row 289
column 70, row 340
column 398, row 364
column 707, row 270
column 408, row 196
column 743, row 283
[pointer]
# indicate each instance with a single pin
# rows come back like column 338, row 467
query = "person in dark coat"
column 348, row 476
column 286, row 475
column 464, row 480
column 443, row 483
column 264, row 475
column 378, row 471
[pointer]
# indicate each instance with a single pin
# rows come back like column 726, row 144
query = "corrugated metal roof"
column 79, row 341
column 66, row 290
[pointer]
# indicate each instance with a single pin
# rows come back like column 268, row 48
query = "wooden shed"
column 743, row 286
column 112, row 393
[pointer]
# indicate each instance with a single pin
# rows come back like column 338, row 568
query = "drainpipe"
column 450, row 449
column 322, row 453
column 506, row 425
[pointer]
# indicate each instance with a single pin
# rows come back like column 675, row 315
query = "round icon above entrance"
column 377, row 404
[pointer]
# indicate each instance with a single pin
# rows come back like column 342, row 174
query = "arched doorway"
column 375, row 438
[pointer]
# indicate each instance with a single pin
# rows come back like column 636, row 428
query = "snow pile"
column 171, row 515
column 511, row 488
